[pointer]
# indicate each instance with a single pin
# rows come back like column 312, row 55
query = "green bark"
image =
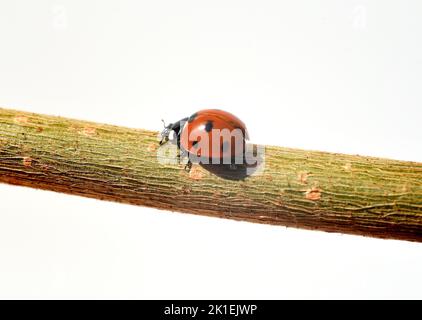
column 304, row 189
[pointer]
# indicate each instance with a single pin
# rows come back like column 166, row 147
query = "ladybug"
column 208, row 136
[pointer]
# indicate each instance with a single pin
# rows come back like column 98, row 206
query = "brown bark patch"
column 45, row 167
column 27, row 161
column 88, row 131
column 186, row 189
column 21, row 119
column 303, row 177
column 152, row 147
column 347, row 166
column 196, row 173
column 313, row 194
column 404, row 188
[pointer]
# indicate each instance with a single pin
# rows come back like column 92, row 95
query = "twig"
column 297, row 188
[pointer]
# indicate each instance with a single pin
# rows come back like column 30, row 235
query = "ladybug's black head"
column 176, row 128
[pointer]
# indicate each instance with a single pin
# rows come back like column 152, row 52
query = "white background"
column 342, row 76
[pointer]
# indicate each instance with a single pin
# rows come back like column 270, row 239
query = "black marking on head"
column 176, row 127
column 192, row 117
column 195, row 144
column 225, row 146
column 208, row 126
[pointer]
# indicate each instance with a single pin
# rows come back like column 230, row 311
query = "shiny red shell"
column 214, row 133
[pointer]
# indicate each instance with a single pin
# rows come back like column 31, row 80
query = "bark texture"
column 296, row 188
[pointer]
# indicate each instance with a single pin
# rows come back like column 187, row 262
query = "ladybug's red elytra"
column 209, row 136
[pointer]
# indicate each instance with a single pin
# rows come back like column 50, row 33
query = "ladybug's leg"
column 165, row 134
column 184, row 154
column 164, row 140
column 188, row 166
